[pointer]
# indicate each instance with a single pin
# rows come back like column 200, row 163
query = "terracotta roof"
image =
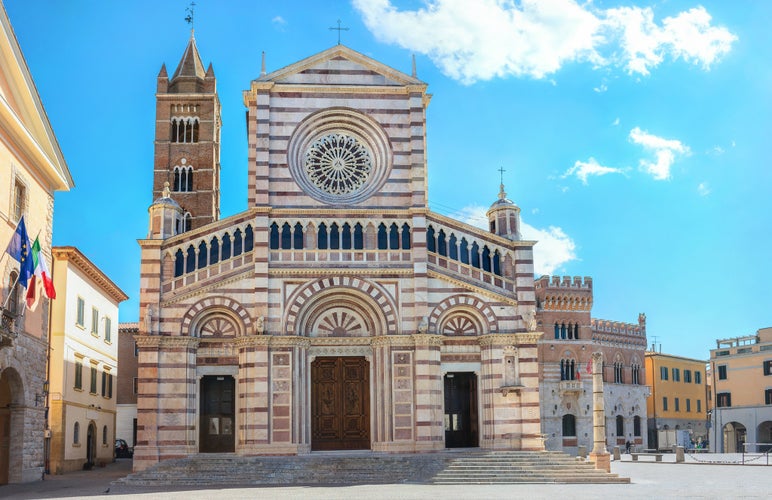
column 79, row 260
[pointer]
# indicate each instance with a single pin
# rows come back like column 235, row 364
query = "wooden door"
column 340, row 404
column 461, row 426
column 217, row 415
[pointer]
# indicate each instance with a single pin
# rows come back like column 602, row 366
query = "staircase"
column 346, row 468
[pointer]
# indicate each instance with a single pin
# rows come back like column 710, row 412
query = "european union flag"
column 20, row 249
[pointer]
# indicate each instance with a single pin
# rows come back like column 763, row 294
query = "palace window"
column 107, row 384
column 80, row 318
column 768, row 367
column 688, row 405
column 636, row 426
column 697, row 377
column 677, row 405
column 78, row 374
column 104, row 435
column 687, row 376
column 664, row 403
column 723, row 399
column 618, row 373
column 567, row 369
column 76, row 433
column 620, row 426
column 108, row 328
column 699, row 405
column 94, row 321
column 15, row 293
column 722, row 372
column 663, row 373
column 768, row 397
column 19, row 200
column 636, row 372
column 676, row 374
column 569, row 426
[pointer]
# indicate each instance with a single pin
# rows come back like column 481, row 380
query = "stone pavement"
column 649, row 480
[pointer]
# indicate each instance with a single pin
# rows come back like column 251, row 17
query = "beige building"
column 337, row 311
column 741, row 371
column 83, row 363
column 32, row 168
column 678, row 399
column 571, row 336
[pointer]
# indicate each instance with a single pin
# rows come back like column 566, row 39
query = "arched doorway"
column 734, row 437
column 11, row 421
column 91, row 445
column 764, row 436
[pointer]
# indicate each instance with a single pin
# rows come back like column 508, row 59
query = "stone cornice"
column 425, row 339
column 82, row 263
column 289, row 341
column 166, row 341
column 339, row 341
column 472, row 287
column 506, row 339
column 208, row 288
column 386, row 272
column 350, row 213
column 253, row 340
column 392, row 340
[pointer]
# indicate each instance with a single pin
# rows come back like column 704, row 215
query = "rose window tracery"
column 459, row 325
column 338, row 164
column 218, row 327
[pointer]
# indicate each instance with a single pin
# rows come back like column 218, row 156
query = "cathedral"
column 337, row 312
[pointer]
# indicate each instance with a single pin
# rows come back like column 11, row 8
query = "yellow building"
column 32, row 168
column 741, row 371
column 678, row 397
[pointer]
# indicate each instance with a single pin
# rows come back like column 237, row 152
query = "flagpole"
column 5, row 302
column 10, row 292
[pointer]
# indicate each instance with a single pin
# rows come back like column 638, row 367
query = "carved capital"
column 290, row 341
column 509, row 339
column 253, row 340
column 428, row 340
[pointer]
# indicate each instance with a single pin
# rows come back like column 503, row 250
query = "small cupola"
column 166, row 216
column 504, row 217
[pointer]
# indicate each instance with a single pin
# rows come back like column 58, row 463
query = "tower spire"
column 415, row 73
column 262, row 65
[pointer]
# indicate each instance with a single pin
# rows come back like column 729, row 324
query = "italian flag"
column 41, row 274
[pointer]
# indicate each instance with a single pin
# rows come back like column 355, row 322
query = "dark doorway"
column 91, row 445
column 461, row 427
column 217, row 414
column 340, row 404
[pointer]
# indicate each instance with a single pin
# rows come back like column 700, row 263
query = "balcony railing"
column 8, row 331
column 570, row 386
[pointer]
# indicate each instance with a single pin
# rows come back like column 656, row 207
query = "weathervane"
column 191, row 12
column 339, row 29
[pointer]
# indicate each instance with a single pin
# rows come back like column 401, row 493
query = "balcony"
column 8, row 331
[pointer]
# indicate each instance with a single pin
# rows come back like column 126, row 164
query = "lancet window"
column 567, row 369
column 183, row 179
column 184, row 129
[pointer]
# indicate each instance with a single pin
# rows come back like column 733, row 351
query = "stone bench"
column 657, row 456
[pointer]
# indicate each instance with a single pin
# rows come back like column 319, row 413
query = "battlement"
column 564, row 282
column 604, row 326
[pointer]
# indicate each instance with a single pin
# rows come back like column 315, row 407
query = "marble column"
column 600, row 456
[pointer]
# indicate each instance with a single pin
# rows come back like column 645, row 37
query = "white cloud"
column 498, row 38
column 615, row 122
column 554, row 249
column 716, row 151
column 665, row 151
column 584, row 169
column 600, row 88
column 703, row 189
column 279, row 22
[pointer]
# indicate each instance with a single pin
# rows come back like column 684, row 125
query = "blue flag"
column 20, row 249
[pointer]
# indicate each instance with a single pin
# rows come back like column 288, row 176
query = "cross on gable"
column 339, row 29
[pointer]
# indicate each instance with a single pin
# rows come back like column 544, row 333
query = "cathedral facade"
column 337, row 312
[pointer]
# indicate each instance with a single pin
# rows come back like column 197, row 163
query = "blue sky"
column 633, row 133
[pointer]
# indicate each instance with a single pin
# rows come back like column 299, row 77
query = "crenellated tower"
column 187, row 139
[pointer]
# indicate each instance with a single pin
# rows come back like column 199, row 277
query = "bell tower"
column 187, row 139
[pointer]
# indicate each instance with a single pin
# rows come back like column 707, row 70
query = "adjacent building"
column 338, row 311
column 678, row 400
column 83, row 363
column 741, row 371
column 32, row 168
column 565, row 380
column 126, row 394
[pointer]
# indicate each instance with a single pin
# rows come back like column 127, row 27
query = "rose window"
column 338, row 164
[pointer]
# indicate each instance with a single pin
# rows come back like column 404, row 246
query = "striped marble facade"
column 266, row 308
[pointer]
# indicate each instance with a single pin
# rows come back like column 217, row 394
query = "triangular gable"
column 340, row 65
column 22, row 113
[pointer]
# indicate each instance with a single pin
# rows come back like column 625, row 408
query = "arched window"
column 274, row 237
column 431, row 245
column 557, row 330
column 576, row 331
column 202, row 255
column 76, row 433
column 475, row 255
column 405, row 237
column 104, row 435
column 15, row 291
column 238, row 243
column 359, row 240
column 486, row 259
column 187, row 222
column 569, row 426
column 346, row 237
column 298, row 236
column 179, row 263
column 563, row 331
column 183, row 179
column 321, row 237
column 442, row 246
column 567, row 369
column 334, row 236
column 190, row 260
column 249, row 239
column 286, row 236
column 620, row 426
column 195, row 130
column 226, row 247
column 496, row 263
column 214, row 251
column 464, row 251
column 382, row 239
column 636, row 426
column 394, row 236
column 453, row 247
